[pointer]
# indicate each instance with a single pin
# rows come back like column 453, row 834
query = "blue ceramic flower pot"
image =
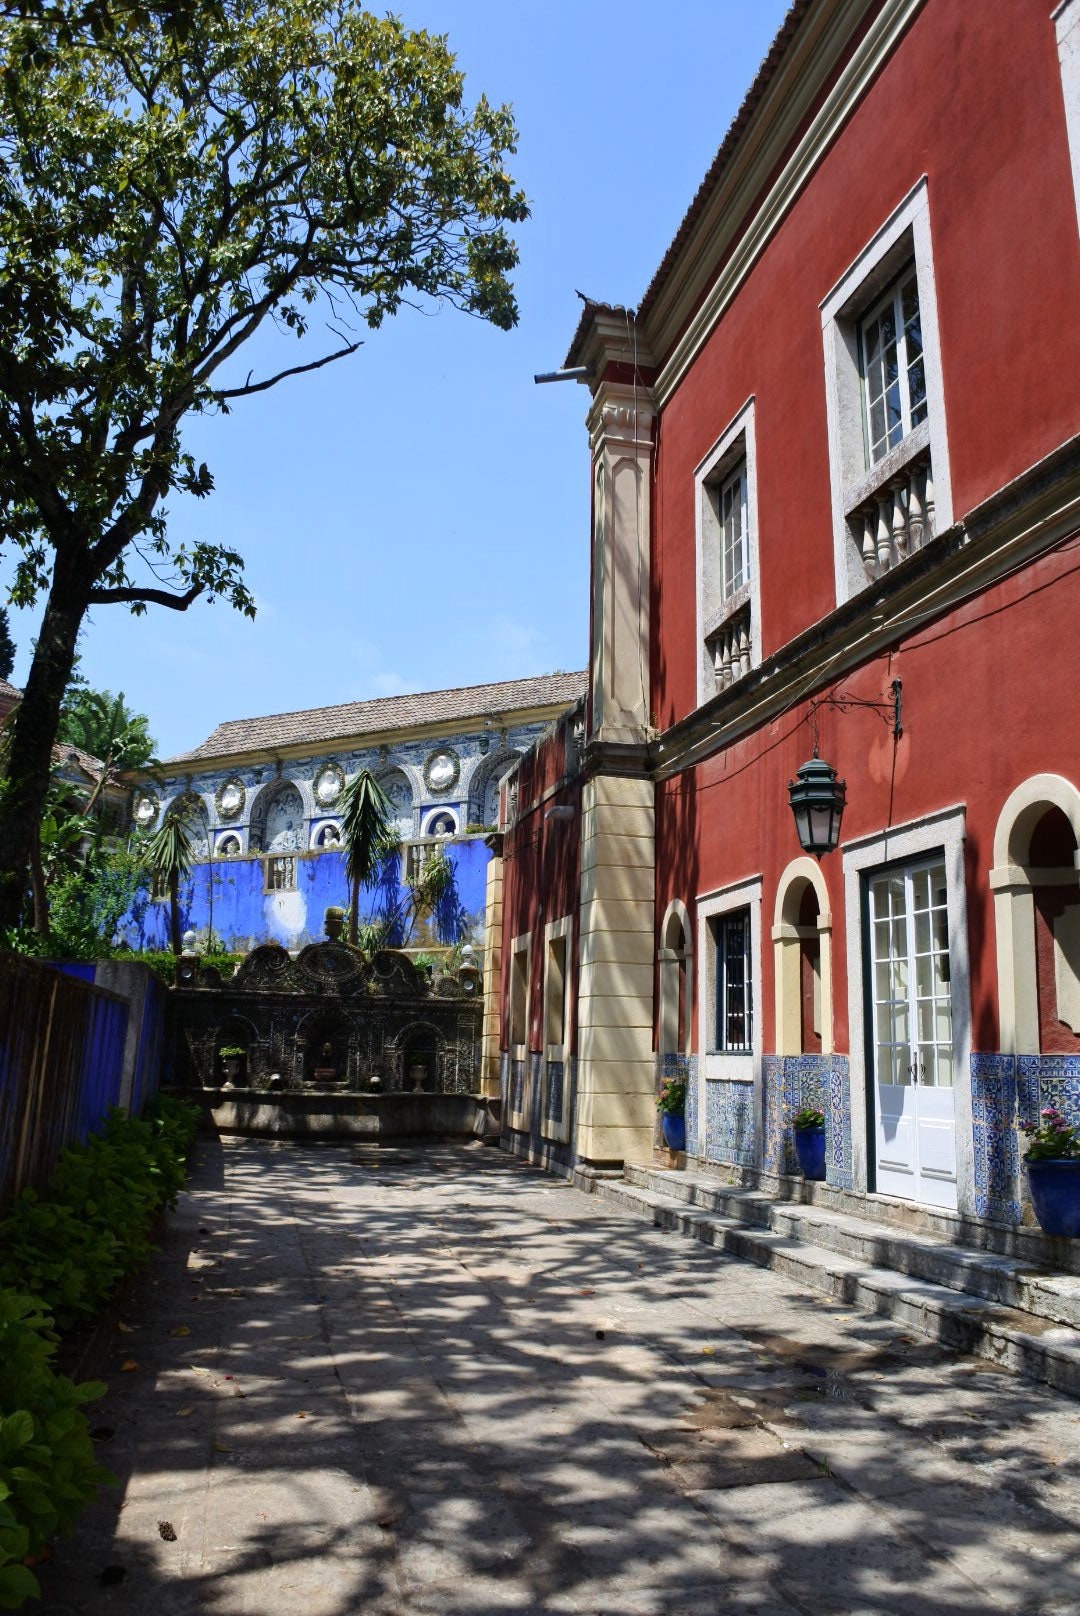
column 1055, row 1194
column 810, row 1149
column 674, row 1130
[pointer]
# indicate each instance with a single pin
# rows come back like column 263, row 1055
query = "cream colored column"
column 620, row 432
column 491, row 1036
column 615, row 1064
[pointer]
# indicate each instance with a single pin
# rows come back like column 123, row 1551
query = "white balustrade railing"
column 898, row 520
column 730, row 647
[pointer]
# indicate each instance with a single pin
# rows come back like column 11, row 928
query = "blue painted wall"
column 229, row 897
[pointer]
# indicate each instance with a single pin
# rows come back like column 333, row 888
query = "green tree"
column 103, row 725
column 169, row 855
column 368, row 834
column 7, row 646
column 165, row 193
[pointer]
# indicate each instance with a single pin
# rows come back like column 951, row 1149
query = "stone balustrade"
column 730, row 646
column 897, row 519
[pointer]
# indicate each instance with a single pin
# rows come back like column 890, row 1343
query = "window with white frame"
column 728, row 988
column 888, row 445
column 518, row 1088
column 733, row 1008
column 727, row 587
column 556, row 1080
column 1067, row 29
column 280, row 874
column 894, row 370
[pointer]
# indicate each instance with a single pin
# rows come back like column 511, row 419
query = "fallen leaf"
column 708, row 1351
column 128, row 1365
column 302, row 1415
column 222, row 1447
column 182, row 1413
column 125, row 1329
column 180, row 1329
column 588, row 1291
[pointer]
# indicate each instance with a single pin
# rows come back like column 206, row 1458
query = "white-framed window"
column 729, row 986
column 728, row 594
column 888, row 443
column 893, row 367
column 555, row 1118
column 519, row 1087
column 732, row 1007
column 1067, row 29
column 280, row 873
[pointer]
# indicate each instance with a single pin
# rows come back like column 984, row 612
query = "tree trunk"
column 174, row 913
column 354, row 912
column 34, row 727
column 37, row 884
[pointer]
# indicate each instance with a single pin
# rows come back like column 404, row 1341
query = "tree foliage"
column 368, row 834
column 7, row 646
column 103, row 725
column 164, row 193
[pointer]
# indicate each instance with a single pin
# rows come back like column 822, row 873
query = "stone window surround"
column 940, row 832
column 1014, row 904
column 745, row 894
column 673, row 959
column 559, row 1129
column 904, row 236
column 787, row 938
column 520, row 947
column 1066, row 19
column 736, row 442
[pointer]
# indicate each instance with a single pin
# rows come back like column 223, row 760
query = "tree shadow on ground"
column 438, row 1380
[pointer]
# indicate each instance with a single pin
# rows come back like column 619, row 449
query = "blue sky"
column 417, row 517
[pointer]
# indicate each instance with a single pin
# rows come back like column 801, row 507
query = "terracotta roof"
column 321, row 725
column 762, row 79
column 64, row 752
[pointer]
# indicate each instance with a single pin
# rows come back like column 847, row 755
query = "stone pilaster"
column 493, row 924
column 615, row 1067
column 621, row 437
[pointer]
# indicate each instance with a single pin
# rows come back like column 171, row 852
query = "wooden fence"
column 69, row 1049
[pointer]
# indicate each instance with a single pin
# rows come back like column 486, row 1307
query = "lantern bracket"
column 891, row 709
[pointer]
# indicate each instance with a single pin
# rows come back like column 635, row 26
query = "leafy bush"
column 47, row 1466
column 61, row 1254
column 70, row 1246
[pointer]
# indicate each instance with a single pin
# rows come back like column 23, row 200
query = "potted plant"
column 231, row 1056
column 671, row 1104
column 810, row 1142
column 1053, row 1170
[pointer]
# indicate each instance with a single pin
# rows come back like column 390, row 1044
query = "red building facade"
column 835, row 459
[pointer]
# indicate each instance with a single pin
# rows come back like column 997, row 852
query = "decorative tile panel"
column 553, row 1095
column 994, row 1135
column 676, row 1065
column 729, row 1123
column 794, row 1083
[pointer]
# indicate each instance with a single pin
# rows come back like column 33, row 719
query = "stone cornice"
column 805, row 106
column 1021, row 521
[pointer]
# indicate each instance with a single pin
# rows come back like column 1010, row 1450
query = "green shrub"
column 47, row 1466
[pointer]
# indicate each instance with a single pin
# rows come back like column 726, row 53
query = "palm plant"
column 368, row 834
column 170, row 854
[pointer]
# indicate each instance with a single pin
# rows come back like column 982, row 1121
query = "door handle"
column 914, row 1070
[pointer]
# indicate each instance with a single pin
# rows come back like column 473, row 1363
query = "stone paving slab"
column 440, row 1381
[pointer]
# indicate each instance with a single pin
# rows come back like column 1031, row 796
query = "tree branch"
column 150, row 597
column 250, row 387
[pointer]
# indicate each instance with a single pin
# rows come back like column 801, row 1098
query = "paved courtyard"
column 434, row 1380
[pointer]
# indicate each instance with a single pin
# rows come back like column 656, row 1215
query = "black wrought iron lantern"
column 817, row 800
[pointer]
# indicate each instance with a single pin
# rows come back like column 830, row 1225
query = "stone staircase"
column 1001, row 1306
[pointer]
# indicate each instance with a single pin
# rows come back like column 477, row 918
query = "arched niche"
column 278, row 821
column 676, row 974
column 802, row 961
column 326, row 835
column 399, row 788
column 191, row 811
column 1036, row 890
column 228, row 845
column 484, row 787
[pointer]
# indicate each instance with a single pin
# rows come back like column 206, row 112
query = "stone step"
column 1020, row 1341
column 1047, row 1295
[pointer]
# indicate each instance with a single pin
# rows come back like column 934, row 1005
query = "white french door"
column 914, row 1114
